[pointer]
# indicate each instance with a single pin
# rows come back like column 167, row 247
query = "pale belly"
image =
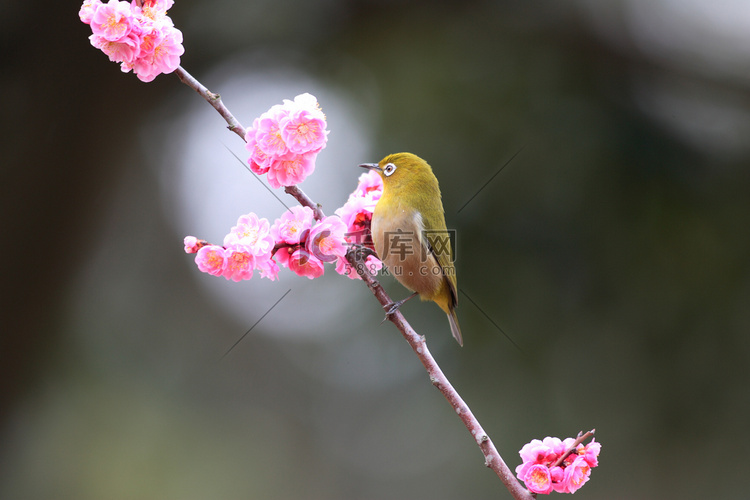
column 398, row 244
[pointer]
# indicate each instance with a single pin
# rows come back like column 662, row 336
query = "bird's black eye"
column 389, row 169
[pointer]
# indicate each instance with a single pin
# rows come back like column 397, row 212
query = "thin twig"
column 213, row 99
column 235, row 126
column 492, row 458
column 305, row 201
column 579, row 439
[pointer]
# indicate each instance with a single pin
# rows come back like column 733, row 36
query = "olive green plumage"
column 409, row 232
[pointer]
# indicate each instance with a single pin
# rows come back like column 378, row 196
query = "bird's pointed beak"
column 370, row 166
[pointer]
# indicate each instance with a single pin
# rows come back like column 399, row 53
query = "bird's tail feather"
column 455, row 330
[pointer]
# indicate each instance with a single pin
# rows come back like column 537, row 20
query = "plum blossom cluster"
column 304, row 246
column 542, row 473
column 295, row 240
column 248, row 247
column 285, row 140
column 283, row 143
column 139, row 35
column 357, row 215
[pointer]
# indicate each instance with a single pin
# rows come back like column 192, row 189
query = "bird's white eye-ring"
column 389, row 169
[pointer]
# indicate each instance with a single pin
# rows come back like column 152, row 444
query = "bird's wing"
column 438, row 244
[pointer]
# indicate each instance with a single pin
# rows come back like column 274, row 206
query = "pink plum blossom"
column 259, row 161
column 164, row 58
column 239, row 264
column 345, row 268
column 304, row 101
column 535, row 451
column 88, row 8
column 357, row 211
column 142, row 39
column 327, row 239
column 538, row 479
column 211, row 259
column 151, row 37
column 368, row 191
column 293, row 226
column 558, row 446
column 112, row 20
column 252, row 233
column 557, row 474
column 155, row 10
column 541, row 474
column 576, row 475
column 193, row 244
column 356, row 214
column 290, row 169
column 285, row 140
column 268, row 136
column 125, row 50
column 236, row 261
column 590, row 452
column 304, row 131
column 268, row 268
column 370, row 187
column 281, row 256
column 302, row 263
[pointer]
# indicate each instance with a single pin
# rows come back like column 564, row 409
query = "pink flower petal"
column 112, row 21
column 211, row 259
column 293, row 226
column 538, row 480
column 327, row 239
column 304, row 264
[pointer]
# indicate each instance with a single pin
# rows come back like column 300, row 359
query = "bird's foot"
column 362, row 251
column 395, row 306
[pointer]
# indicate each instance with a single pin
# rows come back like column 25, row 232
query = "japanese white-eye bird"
column 410, row 236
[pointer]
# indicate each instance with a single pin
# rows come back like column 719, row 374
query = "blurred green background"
column 613, row 250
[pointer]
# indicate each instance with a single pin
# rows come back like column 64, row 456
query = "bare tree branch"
column 492, row 458
column 213, row 99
